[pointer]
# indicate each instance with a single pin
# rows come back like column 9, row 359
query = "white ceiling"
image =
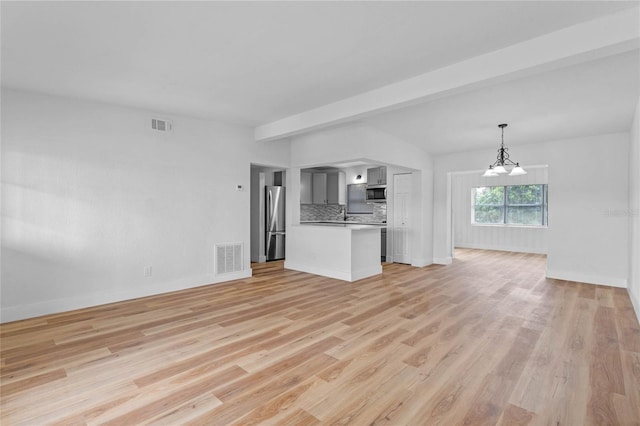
column 592, row 98
column 256, row 62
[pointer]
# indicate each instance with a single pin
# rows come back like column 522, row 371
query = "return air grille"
column 160, row 125
column 228, row 258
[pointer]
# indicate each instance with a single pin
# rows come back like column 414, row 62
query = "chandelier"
column 498, row 168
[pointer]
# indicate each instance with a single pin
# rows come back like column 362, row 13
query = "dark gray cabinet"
column 322, row 187
column 306, row 190
column 377, row 176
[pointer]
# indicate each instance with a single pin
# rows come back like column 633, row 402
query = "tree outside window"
column 510, row 205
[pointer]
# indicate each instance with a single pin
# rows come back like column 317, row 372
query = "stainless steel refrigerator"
column 274, row 222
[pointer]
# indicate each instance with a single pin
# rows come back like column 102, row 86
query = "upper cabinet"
column 306, row 189
column 336, row 188
column 319, row 188
column 377, row 176
column 323, row 187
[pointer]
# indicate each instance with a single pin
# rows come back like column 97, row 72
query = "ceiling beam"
column 609, row 35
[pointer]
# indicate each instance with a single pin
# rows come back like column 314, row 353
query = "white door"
column 401, row 218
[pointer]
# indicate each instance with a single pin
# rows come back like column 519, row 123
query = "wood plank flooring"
column 487, row 340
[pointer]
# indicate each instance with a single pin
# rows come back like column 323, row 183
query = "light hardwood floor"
column 487, row 340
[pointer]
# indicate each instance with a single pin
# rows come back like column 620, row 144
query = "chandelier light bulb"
column 517, row 171
column 490, row 172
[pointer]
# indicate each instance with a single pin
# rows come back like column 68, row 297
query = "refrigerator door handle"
column 269, row 219
column 270, row 213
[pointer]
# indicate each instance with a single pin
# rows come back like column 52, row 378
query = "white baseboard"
column 230, row 276
column 443, row 260
column 587, row 278
column 502, row 248
column 15, row 313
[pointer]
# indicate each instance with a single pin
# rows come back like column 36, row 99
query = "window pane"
column 524, row 215
column 355, row 199
column 524, row 194
column 489, row 214
column 489, row 195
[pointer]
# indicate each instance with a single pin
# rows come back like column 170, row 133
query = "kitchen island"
column 347, row 251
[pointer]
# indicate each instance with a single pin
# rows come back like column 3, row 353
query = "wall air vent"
column 160, row 125
column 228, row 258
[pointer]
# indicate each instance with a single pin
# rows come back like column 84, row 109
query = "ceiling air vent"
column 160, row 125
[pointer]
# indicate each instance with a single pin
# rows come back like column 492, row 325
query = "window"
column 489, row 204
column 355, row 199
column 509, row 205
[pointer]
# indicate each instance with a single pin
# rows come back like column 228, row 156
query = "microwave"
column 376, row 195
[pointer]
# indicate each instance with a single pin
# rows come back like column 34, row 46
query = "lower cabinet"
column 383, row 244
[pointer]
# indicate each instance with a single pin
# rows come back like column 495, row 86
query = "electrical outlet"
column 148, row 271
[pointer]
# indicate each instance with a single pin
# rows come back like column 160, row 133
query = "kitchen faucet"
column 343, row 213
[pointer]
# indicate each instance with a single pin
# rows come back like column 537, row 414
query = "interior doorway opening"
column 262, row 204
column 504, row 223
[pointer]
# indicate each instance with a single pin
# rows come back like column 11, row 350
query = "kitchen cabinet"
column 319, row 188
column 327, row 188
column 306, row 188
column 336, row 188
column 377, row 176
column 322, row 187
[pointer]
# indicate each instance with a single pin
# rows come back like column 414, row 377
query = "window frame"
column 359, row 189
column 544, row 207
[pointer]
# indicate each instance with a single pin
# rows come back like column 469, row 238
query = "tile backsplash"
column 319, row 212
column 309, row 212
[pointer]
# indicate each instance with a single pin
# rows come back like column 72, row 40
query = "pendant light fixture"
column 497, row 168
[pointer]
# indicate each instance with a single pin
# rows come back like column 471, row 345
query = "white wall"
column 634, row 212
column 354, row 142
column 257, row 215
column 525, row 239
column 352, row 172
column 586, row 240
column 91, row 196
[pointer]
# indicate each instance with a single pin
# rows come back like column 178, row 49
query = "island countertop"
column 355, row 226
